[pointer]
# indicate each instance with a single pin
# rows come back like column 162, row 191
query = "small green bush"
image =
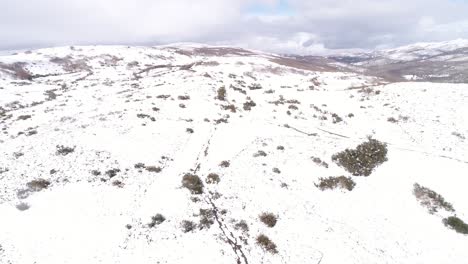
column 364, row 159
column 193, row 183
column 456, row 224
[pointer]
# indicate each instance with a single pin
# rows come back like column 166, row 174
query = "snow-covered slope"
column 112, row 131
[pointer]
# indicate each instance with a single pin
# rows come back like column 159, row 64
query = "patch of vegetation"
column 221, row 93
column 242, row 225
column 146, row 116
column 280, row 148
column 188, row 226
column 269, row 219
column 112, row 172
column 153, row 169
column 430, row 199
column 255, row 86
column 156, row 220
column 331, row 183
column 364, row 159
column 230, row 107
column 193, row 183
column 139, row 165
column 456, row 224
column 95, row 172
column 276, row 170
column 392, row 120
column 22, row 206
column 260, row 153
column 221, row 120
column 24, row 117
column 118, row 183
column 206, row 218
column 248, row 105
column 189, row 130
column 336, row 118
column 38, row 185
column 319, row 162
column 225, row 164
column 266, row 243
column 63, row 150
column 183, row 97
column 212, row 178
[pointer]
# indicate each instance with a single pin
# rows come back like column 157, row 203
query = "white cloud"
column 309, row 26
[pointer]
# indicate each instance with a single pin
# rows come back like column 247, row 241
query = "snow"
column 82, row 218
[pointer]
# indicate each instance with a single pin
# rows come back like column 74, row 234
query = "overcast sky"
column 293, row 26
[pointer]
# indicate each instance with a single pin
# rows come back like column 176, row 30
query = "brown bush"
column 212, row 178
column 38, row 185
column 268, row 219
column 221, row 94
column 193, row 183
column 266, row 243
column 331, row 183
column 156, row 220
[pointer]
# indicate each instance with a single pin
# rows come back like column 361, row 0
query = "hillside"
column 433, row 61
column 101, row 147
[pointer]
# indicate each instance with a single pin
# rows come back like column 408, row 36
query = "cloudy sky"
column 294, row 26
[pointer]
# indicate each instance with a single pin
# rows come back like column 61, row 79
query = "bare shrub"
column 24, row 117
column 269, row 219
column 187, row 226
column 193, row 183
column 248, row 105
column 255, row 86
column 225, row 164
column 242, row 225
column 156, row 220
column 362, row 160
column 62, row 150
column 22, row 206
column 153, row 169
column 38, row 185
column 266, row 243
column 319, row 162
column 183, row 97
column 112, row 172
column 221, row 93
column 260, row 153
column 207, row 217
column 331, row 183
column 212, row 178
column 430, row 199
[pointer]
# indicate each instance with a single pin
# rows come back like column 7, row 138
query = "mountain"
column 434, row 62
column 201, row 154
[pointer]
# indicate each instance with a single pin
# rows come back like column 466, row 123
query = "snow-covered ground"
column 117, row 106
